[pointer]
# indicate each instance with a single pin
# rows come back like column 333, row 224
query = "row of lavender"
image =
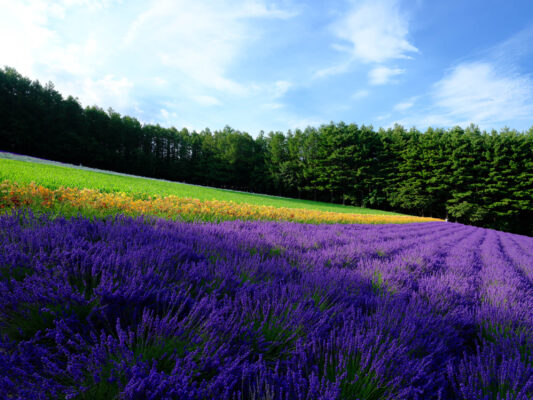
column 152, row 309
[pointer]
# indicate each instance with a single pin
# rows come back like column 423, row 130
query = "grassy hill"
column 50, row 174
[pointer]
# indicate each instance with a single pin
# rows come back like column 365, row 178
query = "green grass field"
column 53, row 175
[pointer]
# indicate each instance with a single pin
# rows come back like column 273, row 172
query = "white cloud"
column 258, row 9
column 478, row 92
column 108, row 91
column 157, row 80
column 382, row 117
column 78, row 59
column 360, row 94
column 274, row 93
column 28, row 20
column 334, row 70
column 372, row 32
column 164, row 113
column 405, row 105
column 32, row 45
column 273, row 106
column 206, row 100
column 376, row 31
column 91, row 5
column 302, row 123
column 482, row 92
column 382, row 75
column 37, row 48
column 422, row 121
column 164, row 47
column 280, row 88
column 201, row 39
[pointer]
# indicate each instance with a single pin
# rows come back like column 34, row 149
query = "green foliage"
column 18, row 274
column 321, row 300
column 495, row 332
column 27, row 319
column 467, row 175
column 378, row 284
column 359, row 382
column 272, row 336
column 105, row 387
column 55, row 176
column 163, row 350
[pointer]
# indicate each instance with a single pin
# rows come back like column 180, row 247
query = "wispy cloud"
column 260, row 9
column 273, row 106
column 360, row 94
column 371, row 32
column 280, row 88
column 29, row 20
column 108, row 91
column 404, row 105
column 510, row 51
column 479, row 92
column 376, row 31
column 302, row 123
column 39, row 43
column 333, row 70
column 202, row 39
column 255, row 63
column 382, row 75
column 487, row 88
column 383, row 117
column 206, row 100
column 72, row 62
column 159, row 48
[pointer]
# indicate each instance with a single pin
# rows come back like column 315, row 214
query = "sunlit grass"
column 91, row 202
column 56, row 176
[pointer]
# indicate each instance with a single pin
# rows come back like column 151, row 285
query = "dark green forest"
column 466, row 175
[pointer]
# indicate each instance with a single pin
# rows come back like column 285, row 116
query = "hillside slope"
column 51, row 174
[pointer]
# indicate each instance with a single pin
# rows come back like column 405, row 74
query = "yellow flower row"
column 14, row 195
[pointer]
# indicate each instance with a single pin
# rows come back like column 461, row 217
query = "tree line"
column 466, row 175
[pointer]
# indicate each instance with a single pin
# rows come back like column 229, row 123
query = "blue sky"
column 263, row 65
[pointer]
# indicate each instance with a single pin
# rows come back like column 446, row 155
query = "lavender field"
column 151, row 309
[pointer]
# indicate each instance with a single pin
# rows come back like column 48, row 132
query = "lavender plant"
column 133, row 308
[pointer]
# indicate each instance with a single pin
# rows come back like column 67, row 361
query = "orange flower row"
column 14, row 195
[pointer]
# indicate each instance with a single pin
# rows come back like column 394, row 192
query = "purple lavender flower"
column 133, row 308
